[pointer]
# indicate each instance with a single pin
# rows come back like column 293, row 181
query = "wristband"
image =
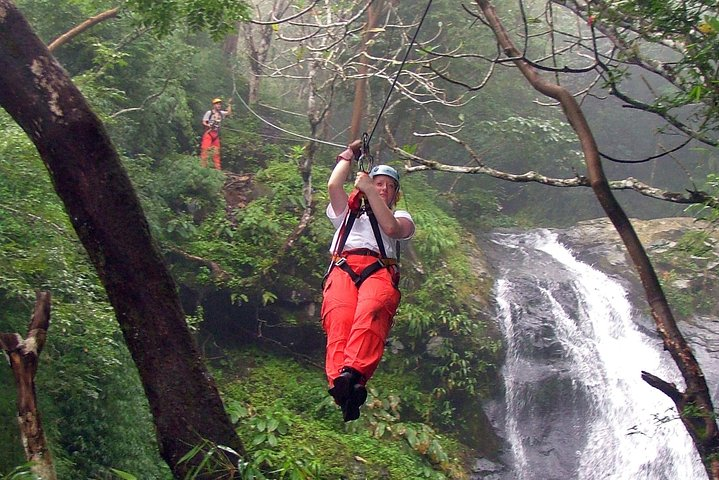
column 347, row 156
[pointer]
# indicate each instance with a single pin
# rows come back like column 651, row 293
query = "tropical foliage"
column 250, row 300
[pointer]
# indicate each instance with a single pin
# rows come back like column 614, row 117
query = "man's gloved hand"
column 356, row 148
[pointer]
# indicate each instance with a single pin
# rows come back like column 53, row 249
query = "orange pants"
column 210, row 141
column 357, row 321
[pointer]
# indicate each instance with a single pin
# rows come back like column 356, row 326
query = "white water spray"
column 613, row 424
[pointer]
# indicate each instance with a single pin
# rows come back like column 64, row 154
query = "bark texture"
column 360, row 96
column 24, row 355
column 694, row 405
column 104, row 209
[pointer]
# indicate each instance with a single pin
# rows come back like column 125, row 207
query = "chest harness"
column 358, row 205
column 215, row 120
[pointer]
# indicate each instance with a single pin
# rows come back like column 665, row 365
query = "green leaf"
column 713, row 22
column 272, row 424
column 123, row 475
column 261, row 424
column 258, row 439
column 379, row 431
column 268, row 298
column 411, row 436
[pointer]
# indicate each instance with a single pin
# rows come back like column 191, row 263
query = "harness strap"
column 339, row 255
column 349, row 220
column 346, row 228
column 376, row 231
column 386, row 262
column 365, row 274
column 378, row 238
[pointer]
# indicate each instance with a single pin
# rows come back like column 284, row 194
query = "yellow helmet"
column 217, row 100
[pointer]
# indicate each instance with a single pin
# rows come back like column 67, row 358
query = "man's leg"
column 376, row 306
column 216, row 154
column 338, row 307
column 204, row 146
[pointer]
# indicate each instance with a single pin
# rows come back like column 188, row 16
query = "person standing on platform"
column 212, row 121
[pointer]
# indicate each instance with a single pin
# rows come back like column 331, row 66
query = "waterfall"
column 576, row 406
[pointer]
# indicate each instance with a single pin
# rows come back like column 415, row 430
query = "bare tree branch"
column 278, row 21
column 35, row 218
column 628, row 51
column 149, row 99
column 662, row 112
column 217, row 272
column 691, row 197
column 650, row 158
column 87, row 24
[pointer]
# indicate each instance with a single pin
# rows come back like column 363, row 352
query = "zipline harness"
column 358, row 205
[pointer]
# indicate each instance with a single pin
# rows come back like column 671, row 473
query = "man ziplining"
column 360, row 294
column 212, row 121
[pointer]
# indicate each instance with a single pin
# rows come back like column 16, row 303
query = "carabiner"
column 365, row 155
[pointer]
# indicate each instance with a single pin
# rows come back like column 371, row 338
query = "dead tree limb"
column 578, row 180
column 23, row 356
column 148, row 100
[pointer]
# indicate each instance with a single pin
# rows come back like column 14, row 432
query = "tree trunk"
column 257, row 51
column 258, row 40
column 693, row 405
column 24, row 355
column 360, row 97
column 104, row 209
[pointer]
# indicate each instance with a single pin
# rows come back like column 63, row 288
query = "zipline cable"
column 394, row 83
column 366, row 138
column 286, row 131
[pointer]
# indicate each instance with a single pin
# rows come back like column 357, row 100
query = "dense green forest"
column 250, row 296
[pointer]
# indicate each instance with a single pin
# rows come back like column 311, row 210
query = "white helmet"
column 385, row 170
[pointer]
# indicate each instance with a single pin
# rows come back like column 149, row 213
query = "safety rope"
column 288, row 132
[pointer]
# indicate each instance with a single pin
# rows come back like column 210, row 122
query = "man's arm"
column 390, row 225
column 335, row 185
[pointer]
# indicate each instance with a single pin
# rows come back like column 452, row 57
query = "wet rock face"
column 691, row 281
column 487, row 470
column 703, row 336
column 596, row 242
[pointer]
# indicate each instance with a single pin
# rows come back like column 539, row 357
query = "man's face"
column 217, row 105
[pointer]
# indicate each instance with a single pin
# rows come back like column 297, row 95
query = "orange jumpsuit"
column 210, row 141
column 357, row 320
column 211, row 138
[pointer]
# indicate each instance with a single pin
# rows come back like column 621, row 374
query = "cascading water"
column 576, row 407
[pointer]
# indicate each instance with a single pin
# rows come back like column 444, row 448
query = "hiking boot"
column 357, row 397
column 342, row 385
